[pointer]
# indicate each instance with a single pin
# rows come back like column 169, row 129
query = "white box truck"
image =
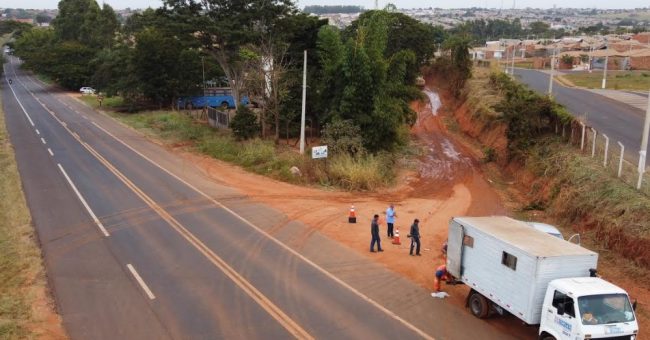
column 511, row 267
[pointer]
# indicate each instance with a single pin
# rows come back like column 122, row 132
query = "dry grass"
column 617, row 80
column 480, row 95
column 22, row 275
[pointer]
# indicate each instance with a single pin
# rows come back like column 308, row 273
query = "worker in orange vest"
column 441, row 274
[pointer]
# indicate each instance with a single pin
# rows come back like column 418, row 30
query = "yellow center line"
column 289, row 324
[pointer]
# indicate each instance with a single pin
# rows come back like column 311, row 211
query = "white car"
column 87, row 90
column 553, row 231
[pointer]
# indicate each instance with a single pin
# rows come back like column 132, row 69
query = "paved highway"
column 619, row 121
column 140, row 245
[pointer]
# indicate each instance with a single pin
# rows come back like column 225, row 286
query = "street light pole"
column 550, row 81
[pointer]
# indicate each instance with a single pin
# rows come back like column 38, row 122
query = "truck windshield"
column 605, row 309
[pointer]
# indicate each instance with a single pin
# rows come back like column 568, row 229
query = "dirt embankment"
column 516, row 183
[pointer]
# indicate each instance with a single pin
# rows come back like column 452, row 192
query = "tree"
column 85, row 22
column 42, row 18
column 539, row 27
column 224, row 26
column 404, row 32
column 374, row 91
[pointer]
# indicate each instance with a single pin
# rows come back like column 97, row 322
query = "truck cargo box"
column 511, row 263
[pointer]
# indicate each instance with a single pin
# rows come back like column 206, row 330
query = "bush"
column 360, row 173
column 343, row 137
column 245, row 125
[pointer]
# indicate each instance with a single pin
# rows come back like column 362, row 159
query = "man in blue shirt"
column 390, row 219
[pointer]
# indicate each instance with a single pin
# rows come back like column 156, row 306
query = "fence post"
column 563, row 129
column 641, row 169
column 606, row 148
column 572, row 131
column 620, row 160
column 593, row 143
column 582, row 140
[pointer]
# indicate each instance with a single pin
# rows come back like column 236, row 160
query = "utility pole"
column 605, row 68
column 550, row 82
column 304, row 102
column 591, row 53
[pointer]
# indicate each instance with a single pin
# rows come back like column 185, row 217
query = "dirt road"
column 447, row 182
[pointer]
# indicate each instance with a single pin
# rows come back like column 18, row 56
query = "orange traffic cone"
column 353, row 217
column 396, row 238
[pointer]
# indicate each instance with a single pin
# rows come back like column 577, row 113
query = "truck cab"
column 587, row 308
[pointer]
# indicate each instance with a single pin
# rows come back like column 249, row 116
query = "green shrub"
column 342, row 137
column 244, row 125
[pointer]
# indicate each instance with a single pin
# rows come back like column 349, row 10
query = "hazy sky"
column 118, row 4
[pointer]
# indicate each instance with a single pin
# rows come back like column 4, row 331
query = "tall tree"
column 225, row 26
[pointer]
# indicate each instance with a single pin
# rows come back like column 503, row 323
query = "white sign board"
column 319, row 151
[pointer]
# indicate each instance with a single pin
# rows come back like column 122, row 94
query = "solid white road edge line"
column 50, row 151
column 83, row 201
column 278, row 242
column 19, row 103
column 141, row 282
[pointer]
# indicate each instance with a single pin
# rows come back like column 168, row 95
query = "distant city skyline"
column 369, row 4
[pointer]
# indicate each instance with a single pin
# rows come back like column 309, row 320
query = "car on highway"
column 87, row 90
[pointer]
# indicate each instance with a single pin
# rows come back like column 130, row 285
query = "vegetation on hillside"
column 571, row 187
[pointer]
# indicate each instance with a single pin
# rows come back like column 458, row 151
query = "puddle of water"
column 434, row 101
column 449, row 150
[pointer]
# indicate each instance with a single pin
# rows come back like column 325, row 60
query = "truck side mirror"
column 560, row 309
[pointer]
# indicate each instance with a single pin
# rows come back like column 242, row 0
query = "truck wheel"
column 547, row 337
column 479, row 305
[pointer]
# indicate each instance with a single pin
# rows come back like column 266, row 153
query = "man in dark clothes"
column 415, row 237
column 374, row 232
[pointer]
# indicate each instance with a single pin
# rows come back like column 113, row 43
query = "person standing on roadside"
column 374, row 232
column 415, row 237
column 390, row 219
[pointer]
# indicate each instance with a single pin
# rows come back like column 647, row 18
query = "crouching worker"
column 441, row 274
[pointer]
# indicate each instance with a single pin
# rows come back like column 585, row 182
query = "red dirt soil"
column 449, row 181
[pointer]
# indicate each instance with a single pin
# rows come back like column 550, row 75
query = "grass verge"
column 581, row 192
column 260, row 156
column 22, row 276
column 107, row 102
column 616, row 80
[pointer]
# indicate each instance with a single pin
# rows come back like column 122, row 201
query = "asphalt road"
column 136, row 249
column 619, row 121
